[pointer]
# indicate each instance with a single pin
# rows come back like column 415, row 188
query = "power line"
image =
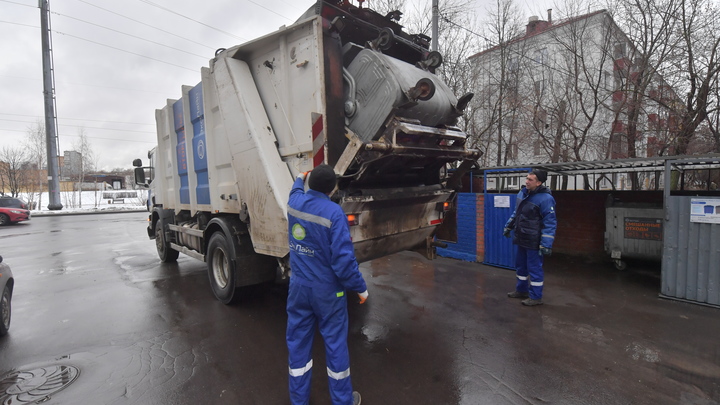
column 293, row 6
column 88, row 85
column 110, row 139
column 19, row 4
column 89, row 136
column 145, row 24
column 75, row 119
column 130, row 35
column 272, row 11
column 14, row 23
column 191, row 19
column 84, row 126
column 123, row 50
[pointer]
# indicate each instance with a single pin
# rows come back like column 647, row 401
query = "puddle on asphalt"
column 374, row 333
column 640, row 352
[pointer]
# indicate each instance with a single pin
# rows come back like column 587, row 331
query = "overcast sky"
column 117, row 61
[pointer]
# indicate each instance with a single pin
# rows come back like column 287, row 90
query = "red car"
column 10, row 215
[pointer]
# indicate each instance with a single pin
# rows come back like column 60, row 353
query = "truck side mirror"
column 137, row 162
column 140, row 176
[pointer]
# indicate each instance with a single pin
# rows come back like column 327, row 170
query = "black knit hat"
column 540, row 174
column 322, row 179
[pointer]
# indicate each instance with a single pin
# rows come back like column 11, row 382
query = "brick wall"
column 581, row 219
column 480, row 226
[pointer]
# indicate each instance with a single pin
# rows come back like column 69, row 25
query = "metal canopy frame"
column 616, row 165
column 602, row 168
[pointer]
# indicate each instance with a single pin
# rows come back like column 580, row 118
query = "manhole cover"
column 35, row 386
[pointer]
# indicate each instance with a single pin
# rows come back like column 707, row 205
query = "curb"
column 34, row 214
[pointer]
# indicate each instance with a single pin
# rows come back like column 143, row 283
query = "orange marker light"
column 352, row 219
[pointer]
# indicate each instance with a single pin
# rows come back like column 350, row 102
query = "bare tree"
column 579, row 85
column 87, row 160
column 496, row 109
column 713, row 119
column 37, row 157
column 387, row 6
column 699, row 66
column 12, row 169
column 651, row 26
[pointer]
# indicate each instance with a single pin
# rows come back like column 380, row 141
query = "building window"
column 541, row 56
column 619, row 51
column 539, row 89
column 608, row 80
column 537, row 146
column 513, row 151
column 512, row 64
column 618, row 146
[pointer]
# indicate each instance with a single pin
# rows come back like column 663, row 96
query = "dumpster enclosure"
column 664, row 209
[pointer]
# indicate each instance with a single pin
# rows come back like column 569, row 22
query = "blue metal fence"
column 499, row 250
column 466, row 246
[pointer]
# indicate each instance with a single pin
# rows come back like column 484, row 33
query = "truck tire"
column 221, row 268
column 5, row 305
column 165, row 252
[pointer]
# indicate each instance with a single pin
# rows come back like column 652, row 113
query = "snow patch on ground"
column 88, row 202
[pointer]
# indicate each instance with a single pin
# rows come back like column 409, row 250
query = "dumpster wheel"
column 620, row 264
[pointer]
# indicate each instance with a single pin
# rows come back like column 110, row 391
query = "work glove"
column 302, row 175
column 363, row 296
column 544, row 251
column 506, row 232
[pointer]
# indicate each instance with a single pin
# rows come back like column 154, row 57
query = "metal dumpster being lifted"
column 633, row 231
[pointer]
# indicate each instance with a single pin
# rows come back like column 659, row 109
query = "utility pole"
column 49, row 92
column 435, row 16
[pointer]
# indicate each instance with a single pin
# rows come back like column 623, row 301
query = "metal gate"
column 499, row 250
column 691, row 250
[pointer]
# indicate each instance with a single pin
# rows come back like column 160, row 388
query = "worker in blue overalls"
column 324, row 267
column 534, row 223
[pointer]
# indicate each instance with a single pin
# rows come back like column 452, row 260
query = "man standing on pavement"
column 534, row 223
column 322, row 259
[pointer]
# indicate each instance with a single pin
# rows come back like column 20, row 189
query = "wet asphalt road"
column 91, row 294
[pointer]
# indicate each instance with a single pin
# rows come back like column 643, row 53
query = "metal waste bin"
column 633, row 231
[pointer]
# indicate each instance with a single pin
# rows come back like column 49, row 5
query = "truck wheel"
column 165, row 252
column 5, row 311
column 620, row 264
column 221, row 268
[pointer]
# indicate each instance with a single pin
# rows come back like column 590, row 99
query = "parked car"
column 12, row 202
column 12, row 215
column 7, row 283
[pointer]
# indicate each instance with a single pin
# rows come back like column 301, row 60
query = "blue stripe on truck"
column 181, row 151
column 199, row 143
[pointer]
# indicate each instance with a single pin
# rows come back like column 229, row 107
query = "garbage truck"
column 343, row 86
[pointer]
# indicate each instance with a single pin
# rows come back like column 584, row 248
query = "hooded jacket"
column 534, row 219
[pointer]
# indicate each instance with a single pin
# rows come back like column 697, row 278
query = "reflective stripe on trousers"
column 528, row 267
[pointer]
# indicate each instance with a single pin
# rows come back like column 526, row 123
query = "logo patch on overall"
column 298, row 232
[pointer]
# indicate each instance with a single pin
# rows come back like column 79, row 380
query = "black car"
column 7, row 282
column 12, row 202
